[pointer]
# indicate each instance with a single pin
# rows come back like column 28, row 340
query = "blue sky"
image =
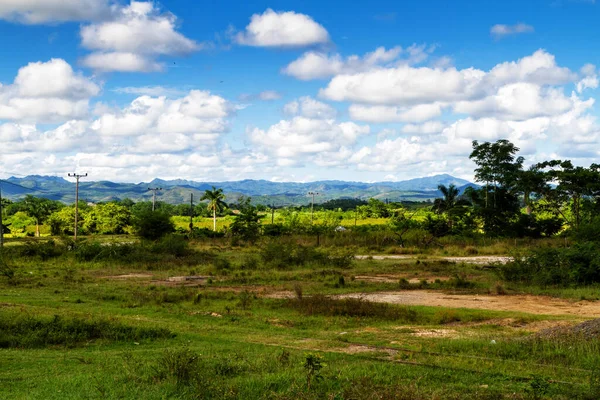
column 295, row 91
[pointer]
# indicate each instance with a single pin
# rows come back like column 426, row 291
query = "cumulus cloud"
column 196, row 119
column 378, row 114
column 27, row 138
column 406, row 85
column 319, row 65
column 133, row 38
column 47, row 92
column 282, row 29
column 289, row 140
column 501, row 30
column 53, row 11
column 310, row 108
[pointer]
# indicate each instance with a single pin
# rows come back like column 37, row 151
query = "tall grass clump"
column 27, row 331
column 285, row 255
column 351, row 307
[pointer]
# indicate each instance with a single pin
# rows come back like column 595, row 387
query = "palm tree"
column 215, row 199
column 448, row 202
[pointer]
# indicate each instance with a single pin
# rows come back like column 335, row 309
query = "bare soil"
column 466, row 260
column 543, row 305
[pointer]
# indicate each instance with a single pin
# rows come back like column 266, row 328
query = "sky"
column 222, row 90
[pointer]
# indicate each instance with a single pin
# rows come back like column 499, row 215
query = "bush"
column 577, row 265
column 175, row 245
column 323, row 305
column 32, row 332
column 152, row 224
column 43, row 250
column 203, row 233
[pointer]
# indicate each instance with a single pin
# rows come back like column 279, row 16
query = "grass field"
column 280, row 321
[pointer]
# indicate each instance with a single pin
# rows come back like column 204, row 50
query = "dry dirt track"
column 466, row 260
column 520, row 303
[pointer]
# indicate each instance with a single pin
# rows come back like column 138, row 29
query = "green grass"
column 75, row 331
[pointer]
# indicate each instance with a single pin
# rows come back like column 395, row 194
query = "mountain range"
column 261, row 191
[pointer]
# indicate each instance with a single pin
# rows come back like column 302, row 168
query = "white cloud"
column 47, row 92
column 282, row 29
column 123, row 62
column 310, row 108
column 427, row 128
column 378, row 114
column 518, row 101
column 319, row 65
column 292, row 140
column 133, row 39
column 158, row 121
column 268, row 95
column 27, row 138
column 500, row 30
column 150, row 90
column 405, row 85
column 52, row 11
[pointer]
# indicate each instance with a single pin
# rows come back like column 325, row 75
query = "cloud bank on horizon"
column 133, row 91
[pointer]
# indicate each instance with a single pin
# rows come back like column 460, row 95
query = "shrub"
column 152, row 224
column 577, row 265
column 180, row 364
column 43, row 250
column 31, row 332
column 175, row 245
column 350, row 307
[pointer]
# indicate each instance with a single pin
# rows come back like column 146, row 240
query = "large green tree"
column 497, row 165
column 246, row 224
column 216, row 202
column 40, row 209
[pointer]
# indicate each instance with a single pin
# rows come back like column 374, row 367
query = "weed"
column 245, row 299
column 283, row 358
column 298, row 291
column 446, row 317
column 313, row 365
column 31, row 332
column 352, row 307
column 180, row 364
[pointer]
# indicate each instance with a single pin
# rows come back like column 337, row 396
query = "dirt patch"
column 385, row 278
column 435, row 333
column 192, row 278
column 130, row 276
column 521, row 303
column 357, row 348
column 586, row 330
column 466, row 260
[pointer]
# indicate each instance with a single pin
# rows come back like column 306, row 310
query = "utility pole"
column 312, row 204
column 191, row 211
column 76, row 176
column 272, row 213
column 1, row 226
column 154, row 190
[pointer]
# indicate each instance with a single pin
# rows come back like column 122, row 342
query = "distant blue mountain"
column 262, row 191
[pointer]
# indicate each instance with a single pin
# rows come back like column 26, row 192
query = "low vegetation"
column 270, row 306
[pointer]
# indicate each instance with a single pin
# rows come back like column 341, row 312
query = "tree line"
column 541, row 200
